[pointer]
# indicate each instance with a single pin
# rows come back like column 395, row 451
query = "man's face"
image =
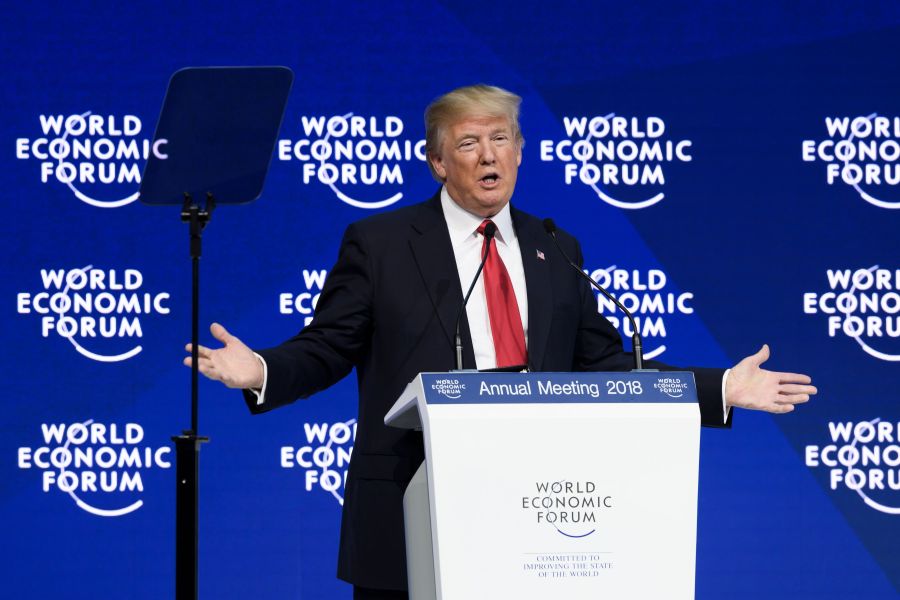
column 478, row 160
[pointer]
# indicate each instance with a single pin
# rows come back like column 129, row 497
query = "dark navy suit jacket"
column 388, row 308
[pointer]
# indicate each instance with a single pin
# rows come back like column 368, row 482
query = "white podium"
column 552, row 485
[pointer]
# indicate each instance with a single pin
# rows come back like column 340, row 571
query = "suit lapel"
column 535, row 262
column 433, row 253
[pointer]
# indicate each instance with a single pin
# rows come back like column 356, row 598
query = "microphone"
column 550, row 228
column 489, row 231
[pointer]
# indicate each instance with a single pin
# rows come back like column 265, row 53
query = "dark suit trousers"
column 361, row 593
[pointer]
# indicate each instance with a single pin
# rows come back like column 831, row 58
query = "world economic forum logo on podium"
column 449, row 387
column 673, row 387
column 570, row 507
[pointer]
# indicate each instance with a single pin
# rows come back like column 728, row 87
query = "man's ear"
column 438, row 165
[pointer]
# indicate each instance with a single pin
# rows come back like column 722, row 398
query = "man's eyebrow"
column 471, row 135
column 466, row 136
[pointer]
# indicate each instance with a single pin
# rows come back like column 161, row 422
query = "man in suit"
column 389, row 308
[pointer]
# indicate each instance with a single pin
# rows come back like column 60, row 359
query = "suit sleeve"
column 327, row 349
column 599, row 348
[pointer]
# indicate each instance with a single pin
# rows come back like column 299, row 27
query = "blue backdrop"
column 731, row 169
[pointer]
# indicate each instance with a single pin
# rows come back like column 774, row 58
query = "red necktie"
column 503, row 310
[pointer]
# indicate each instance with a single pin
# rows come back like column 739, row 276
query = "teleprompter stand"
column 187, row 445
column 216, row 132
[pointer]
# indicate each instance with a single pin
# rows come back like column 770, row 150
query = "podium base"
column 417, row 527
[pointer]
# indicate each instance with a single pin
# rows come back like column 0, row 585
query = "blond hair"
column 470, row 101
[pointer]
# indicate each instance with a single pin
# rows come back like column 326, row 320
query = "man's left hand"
column 749, row 386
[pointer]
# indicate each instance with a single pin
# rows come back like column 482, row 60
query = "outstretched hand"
column 234, row 364
column 749, row 386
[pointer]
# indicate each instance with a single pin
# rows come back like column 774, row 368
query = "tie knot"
column 483, row 225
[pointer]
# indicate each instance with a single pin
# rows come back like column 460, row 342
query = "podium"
column 552, row 485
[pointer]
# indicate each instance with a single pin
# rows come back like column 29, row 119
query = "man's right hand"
column 235, row 365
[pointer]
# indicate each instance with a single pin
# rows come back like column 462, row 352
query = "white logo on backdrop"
column 617, row 153
column 863, row 457
column 90, row 306
column 97, row 465
column 862, row 304
column 325, row 458
column 649, row 297
column 361, row 159
column 304, row 303
column 861, row 152
column 99, row 158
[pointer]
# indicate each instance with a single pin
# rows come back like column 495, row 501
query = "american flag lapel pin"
column 540, row 254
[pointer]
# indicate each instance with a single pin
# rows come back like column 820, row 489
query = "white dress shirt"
column 467, row 249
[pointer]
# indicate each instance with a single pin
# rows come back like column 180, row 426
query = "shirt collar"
column 462, row 224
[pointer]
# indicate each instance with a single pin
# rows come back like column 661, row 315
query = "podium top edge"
column 592, row 387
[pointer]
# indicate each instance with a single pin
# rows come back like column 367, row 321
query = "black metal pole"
column 187, row 445
column 187, row 456
column 196, row 249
